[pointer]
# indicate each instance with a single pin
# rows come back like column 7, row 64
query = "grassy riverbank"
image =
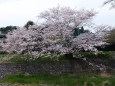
column 71, row 79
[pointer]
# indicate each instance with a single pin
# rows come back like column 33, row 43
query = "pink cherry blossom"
column 54, row 34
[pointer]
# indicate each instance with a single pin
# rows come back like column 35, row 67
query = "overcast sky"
column 18, row 12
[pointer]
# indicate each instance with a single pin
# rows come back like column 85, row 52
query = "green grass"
column 59, row 79
column 53, row 57
column 12, row 58
column 105, row 55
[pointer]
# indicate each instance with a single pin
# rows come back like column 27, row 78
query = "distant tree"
column 5, row 30
column 28, row 24
column 82, row 30
column 111, row 37
column 78, row 31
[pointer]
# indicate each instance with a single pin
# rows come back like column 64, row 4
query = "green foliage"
column 76, row 32
column 28, row 24
column 93, row 55
column 5, row 30
column 71, row 79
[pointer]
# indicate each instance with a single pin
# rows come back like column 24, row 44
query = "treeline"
column 6, row 29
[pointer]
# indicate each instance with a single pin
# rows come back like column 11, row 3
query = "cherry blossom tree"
column 54, row 34
column 25, row 41
column 60, row 24
column 88, row 42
